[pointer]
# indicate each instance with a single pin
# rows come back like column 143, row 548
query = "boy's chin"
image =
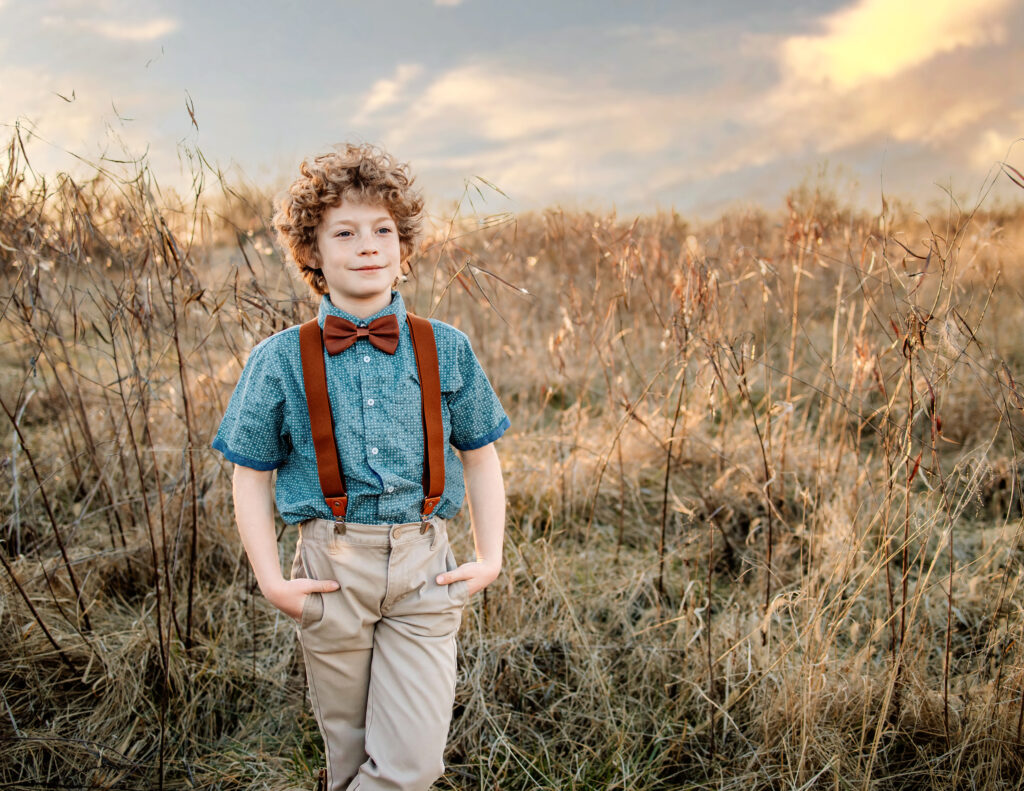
column 362, row 295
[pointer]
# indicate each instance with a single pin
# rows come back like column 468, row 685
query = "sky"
column 633, row 105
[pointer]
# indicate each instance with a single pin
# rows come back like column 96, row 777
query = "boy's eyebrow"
column 374, row 221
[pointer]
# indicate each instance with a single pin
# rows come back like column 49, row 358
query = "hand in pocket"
column 289, row 595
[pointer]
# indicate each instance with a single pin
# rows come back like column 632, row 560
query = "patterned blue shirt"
column 376, row 405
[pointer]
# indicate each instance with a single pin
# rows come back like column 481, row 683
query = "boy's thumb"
column 329, row 585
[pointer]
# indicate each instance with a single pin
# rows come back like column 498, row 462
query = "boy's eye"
column 343, row 233
column 385, row 229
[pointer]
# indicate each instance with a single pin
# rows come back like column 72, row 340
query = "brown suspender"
column 321, row 421
column 425, row 349
column 328, row 464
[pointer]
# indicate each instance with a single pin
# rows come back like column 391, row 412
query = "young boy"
column 374, row 588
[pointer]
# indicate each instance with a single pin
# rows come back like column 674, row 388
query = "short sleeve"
column 477, row 416
column 251, row 433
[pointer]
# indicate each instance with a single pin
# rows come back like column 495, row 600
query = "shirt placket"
column 370, row 392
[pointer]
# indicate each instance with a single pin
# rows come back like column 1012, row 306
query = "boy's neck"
column 362, row 308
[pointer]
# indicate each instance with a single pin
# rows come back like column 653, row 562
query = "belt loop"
column 433, row 538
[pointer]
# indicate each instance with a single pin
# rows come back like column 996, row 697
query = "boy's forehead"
column 355, row 211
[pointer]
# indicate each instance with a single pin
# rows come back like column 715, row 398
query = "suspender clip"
column 338, row 506
column 429, row 504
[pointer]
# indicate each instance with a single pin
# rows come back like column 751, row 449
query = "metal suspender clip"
column 338, row 506
column 429, row 504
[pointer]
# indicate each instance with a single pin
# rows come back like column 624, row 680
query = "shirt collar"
column 327, row 308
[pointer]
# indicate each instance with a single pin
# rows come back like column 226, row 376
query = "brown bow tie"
column 341, row 333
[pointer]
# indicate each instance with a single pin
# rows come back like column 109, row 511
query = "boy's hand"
column 478, row 575
column 289, row 595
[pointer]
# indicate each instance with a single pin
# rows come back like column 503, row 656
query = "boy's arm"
column 486, row 494
column 254, row 513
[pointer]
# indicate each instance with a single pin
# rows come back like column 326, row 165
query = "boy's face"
column 360, row 255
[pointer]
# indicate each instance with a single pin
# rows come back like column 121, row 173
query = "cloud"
column 545, row 137
column 930, row 76
column 139, row 31
column 498, row 105
column 995, row 144
column 447, row 2
column 119, row 29
column 879, row 39
column 60, row 134
column 385, row 93
column 30, row 97
column 533, row 133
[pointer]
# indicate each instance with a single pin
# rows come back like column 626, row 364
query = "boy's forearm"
column 485, row 493
column 254, row 514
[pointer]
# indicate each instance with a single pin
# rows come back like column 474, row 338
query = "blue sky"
column 637, row 105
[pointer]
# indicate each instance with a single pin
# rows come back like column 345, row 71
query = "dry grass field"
column 764, row 486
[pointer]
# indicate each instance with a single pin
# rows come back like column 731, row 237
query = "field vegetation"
column 764, row 487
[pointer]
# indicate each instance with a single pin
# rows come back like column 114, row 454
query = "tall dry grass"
column 764, row 488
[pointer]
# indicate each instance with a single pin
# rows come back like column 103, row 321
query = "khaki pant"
column 380, row 651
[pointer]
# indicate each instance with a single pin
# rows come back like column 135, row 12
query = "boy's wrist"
column 271, row 586
column 491, row 565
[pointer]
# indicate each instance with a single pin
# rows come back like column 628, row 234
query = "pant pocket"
column 312, row 610
column 458, row 590
column 313, row 603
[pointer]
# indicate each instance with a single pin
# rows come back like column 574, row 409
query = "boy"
column 374, row 588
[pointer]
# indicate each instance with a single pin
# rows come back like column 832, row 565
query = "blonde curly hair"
column 362, row 173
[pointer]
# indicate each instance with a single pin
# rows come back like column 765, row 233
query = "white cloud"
column 447, row 2
column 118, row 29
column 385, row 93
column 139, row 31
column 499, row 105
column 995, row 144
column 533, row 134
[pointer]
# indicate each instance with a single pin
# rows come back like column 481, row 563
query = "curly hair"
column 363, row 173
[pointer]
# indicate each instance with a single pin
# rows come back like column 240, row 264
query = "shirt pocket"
column 451, row 382
column 404, row 411
column 411, row 400
column 407, row 389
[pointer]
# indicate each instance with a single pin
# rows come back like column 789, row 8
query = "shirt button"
column 366, row 358
column 390, row 489
column 373, row 451
column 369, row 402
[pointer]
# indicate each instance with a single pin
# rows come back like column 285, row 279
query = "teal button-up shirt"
column 375, row 402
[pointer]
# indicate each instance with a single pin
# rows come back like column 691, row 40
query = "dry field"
column 765, row 515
